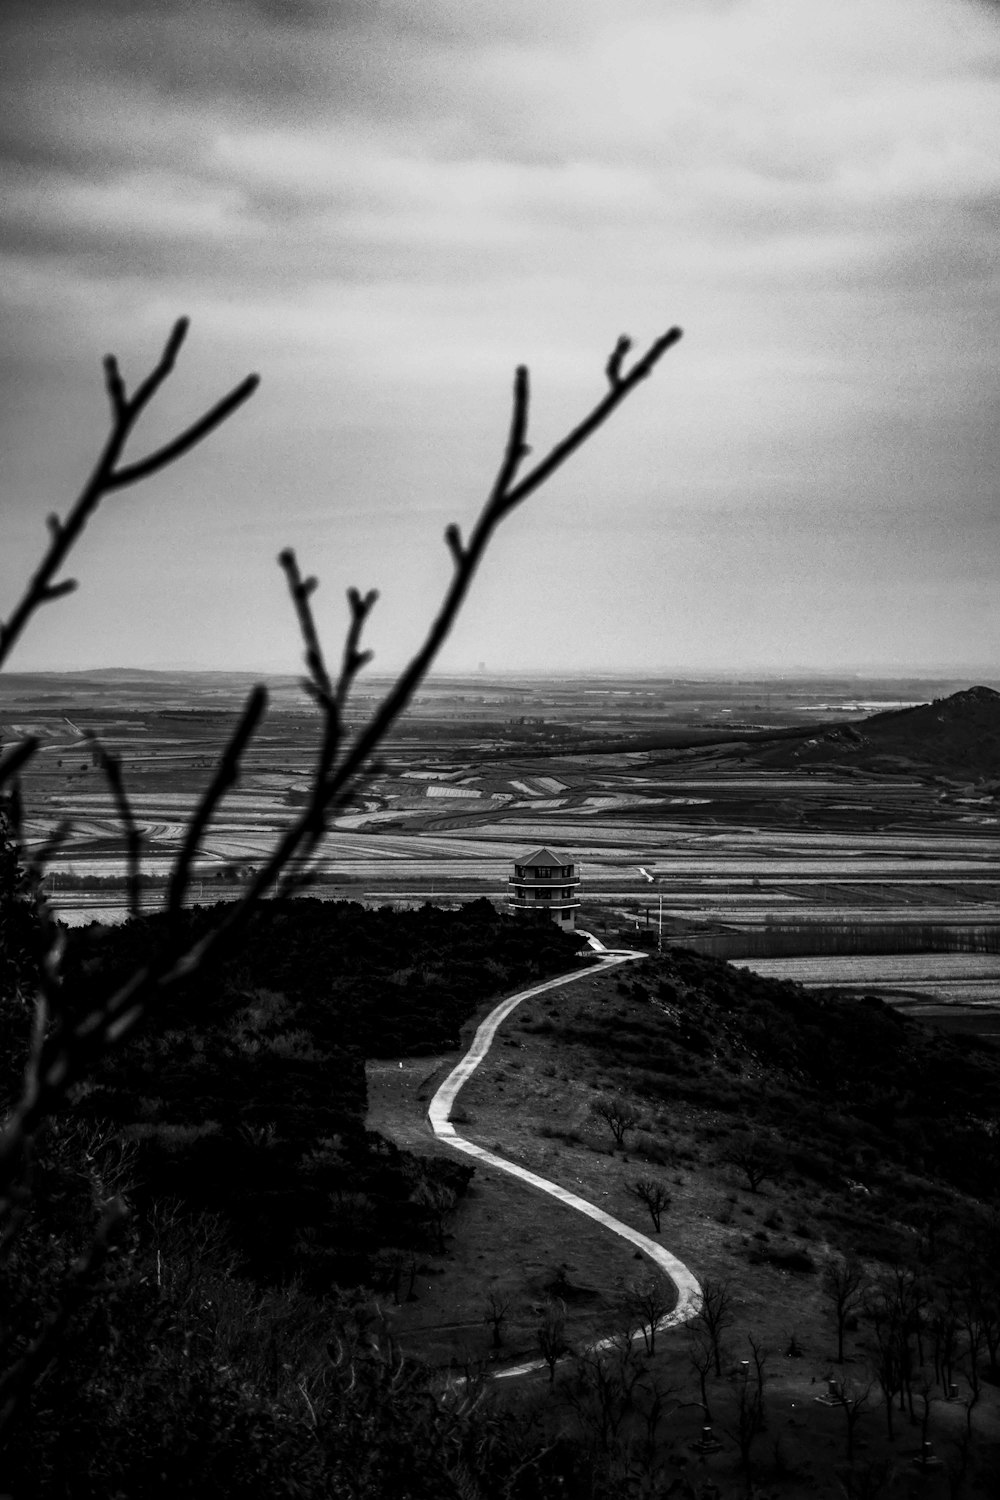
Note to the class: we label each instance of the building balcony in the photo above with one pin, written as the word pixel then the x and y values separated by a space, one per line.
pixel 542 904
pixel 550 882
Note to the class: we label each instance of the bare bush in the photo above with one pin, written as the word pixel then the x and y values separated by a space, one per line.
pixel 750 1415
pixel 715 1317
pixel 646 1302
pixel 754 1156
pixel 616 1116
pixel 551 1336
pixel 855 1400
pixel 495 1315
pixel 701 1353
pixel 654 1196
pixel 843 1282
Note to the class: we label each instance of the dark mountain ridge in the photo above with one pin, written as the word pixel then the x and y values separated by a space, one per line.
pixel 957 737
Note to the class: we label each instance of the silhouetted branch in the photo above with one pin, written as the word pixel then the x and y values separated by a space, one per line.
pixel 613 369
pixel 226 775
pixel 111 766
pixel 504 496
pixel 15 756
pixel 65 1044
pixel 318 682
pixel 335 778
pixel 187 439
pixel 107 476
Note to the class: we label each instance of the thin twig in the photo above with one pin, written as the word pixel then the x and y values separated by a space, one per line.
pixel 112 768
pixel 300 589
pixel 187 439
pixel 107 477
pixel 226 775
pixel 503 497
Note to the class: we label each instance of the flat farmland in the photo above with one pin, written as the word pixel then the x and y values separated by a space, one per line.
pixel 478 775
pixel 962 989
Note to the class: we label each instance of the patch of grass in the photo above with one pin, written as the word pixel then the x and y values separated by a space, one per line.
pixel 782 1257
pixel 568 1134
pixel 649 1148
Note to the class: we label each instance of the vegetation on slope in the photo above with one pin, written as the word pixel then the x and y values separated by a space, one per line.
pixel 839 1089
pixel 223 1342
pixel 234 1129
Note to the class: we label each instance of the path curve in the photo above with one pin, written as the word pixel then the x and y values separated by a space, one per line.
pixel 439 1113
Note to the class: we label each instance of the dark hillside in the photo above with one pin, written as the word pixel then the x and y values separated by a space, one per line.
pixel 840 1091
pixel 247 1096
pixel 957 737
pixel 234 1126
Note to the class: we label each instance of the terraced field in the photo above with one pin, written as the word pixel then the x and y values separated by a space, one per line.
pixel 738 848
pixel 961 989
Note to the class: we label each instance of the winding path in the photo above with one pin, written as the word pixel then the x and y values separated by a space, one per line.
pixel 439 1115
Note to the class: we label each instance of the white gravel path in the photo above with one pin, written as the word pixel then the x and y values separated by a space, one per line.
pixel 439 1112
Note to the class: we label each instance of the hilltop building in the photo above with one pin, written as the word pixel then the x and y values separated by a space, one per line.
pixel 545 883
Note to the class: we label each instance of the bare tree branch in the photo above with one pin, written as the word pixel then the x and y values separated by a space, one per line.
pixel 107 476
pixel 226 775
pixel 111 766
pixel 187 439
pixel 66 1044
pixel 15 756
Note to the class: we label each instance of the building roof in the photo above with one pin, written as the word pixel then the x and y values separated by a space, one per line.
pixel 544 856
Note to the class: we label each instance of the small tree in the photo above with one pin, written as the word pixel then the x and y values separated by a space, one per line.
pixel 926 1392
pixel 701 1353
pixel 654 1402
pixel 855 1401
pixel 750 1418
pixel 842 1282
pixel 884 1362
pixel 760 1355
pixel 495 1315
pixel 551 1336
pixel 654 1195
pixel 944 1331
pixel 602 1392
pixel 969 1370
pixel 957 1465
pixel 648 1301
pixel 439 1204
pixel 616 1116
pixel 755 1158
pixel 716 1316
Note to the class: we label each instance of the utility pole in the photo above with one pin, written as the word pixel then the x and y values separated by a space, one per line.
pixel 655 880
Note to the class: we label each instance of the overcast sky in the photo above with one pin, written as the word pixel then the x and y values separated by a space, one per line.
pixel 385 205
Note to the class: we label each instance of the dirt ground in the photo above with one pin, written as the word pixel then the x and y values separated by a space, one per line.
pixel 511 1239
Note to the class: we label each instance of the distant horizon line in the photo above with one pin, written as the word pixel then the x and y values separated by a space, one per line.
pixel 676 673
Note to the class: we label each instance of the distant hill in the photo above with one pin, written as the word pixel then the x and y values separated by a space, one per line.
pixel 957 737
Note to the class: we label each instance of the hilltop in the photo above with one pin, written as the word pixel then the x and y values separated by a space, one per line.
pixel 957 737
pixel 277 1237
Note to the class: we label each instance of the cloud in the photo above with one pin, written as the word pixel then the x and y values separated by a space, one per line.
pixel 388 205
